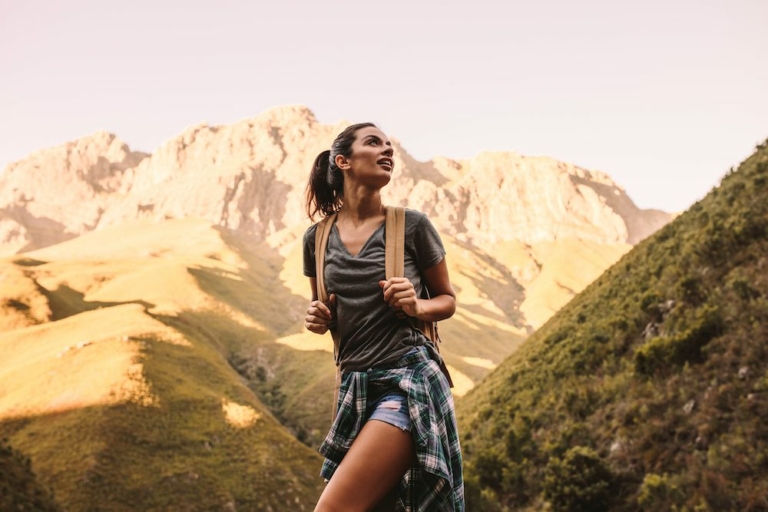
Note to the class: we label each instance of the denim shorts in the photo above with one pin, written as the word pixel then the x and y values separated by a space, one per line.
pixel 392 408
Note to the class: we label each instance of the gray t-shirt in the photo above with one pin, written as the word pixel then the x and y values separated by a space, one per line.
pixel 371 336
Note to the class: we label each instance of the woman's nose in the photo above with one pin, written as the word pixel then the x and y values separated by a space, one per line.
pixel 388 151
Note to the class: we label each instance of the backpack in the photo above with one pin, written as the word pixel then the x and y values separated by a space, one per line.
pixel 394 265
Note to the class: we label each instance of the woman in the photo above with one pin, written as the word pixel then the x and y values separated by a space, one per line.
pixel 393 443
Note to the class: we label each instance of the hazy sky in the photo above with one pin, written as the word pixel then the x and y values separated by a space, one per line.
pixel 664 96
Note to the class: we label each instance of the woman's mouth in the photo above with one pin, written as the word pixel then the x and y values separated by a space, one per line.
pixel 387 163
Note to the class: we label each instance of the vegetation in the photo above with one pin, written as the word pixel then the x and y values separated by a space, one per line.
pixel 579 481
pixel 19 488
pixel 117 381
pixel 649 390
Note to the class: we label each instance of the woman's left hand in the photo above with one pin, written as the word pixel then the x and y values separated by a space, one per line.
pixel 400 295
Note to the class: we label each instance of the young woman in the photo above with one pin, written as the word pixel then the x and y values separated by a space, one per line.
pixel 393 444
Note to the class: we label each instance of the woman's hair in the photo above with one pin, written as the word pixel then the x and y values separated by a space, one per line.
pixel 325 190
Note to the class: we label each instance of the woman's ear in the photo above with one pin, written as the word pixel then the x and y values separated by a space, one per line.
pixel 342 162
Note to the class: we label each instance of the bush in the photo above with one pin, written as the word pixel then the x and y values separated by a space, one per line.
pixel 658 492
pixel 580 481
pixel 684 347
pixel 489 467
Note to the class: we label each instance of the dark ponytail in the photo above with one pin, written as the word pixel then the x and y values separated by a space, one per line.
pixel 325 190
pixel 326 186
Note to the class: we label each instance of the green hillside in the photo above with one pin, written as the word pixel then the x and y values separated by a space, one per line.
pixel 649 390
pixel 116 376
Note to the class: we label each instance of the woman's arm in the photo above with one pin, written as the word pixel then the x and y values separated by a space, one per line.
pixel 313 286
pixel 319 316
pixel 400 294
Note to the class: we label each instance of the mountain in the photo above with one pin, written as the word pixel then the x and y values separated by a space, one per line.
pixel 152 305
pixel 35 213
pixel 648 390
pixel 249 177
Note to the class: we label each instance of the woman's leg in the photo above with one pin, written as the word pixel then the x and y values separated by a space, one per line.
pixel 378 458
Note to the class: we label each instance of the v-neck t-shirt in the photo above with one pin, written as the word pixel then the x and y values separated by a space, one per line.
pixel 370 334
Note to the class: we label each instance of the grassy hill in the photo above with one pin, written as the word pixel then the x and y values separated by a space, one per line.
pixel 649 390
pixel 116 380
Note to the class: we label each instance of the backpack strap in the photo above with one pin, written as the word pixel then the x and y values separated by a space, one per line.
pixel 322 234
pixel 321 244
pixel 394 261
pixel 394 251
pixel 394 264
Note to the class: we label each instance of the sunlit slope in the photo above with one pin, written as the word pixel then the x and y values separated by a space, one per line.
pixel 649 390
pixel 567 267
pixel 22 301
pixel 124 396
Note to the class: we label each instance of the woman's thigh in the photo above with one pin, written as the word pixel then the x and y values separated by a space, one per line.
pixel 378 458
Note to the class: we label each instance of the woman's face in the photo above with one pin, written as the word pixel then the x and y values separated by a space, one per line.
pixel 371 159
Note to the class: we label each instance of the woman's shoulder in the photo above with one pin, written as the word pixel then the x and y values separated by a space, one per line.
pixel 309 234
pixel 417 222
pixel 414 217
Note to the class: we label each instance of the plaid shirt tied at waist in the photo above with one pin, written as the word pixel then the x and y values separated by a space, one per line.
pixel 435 482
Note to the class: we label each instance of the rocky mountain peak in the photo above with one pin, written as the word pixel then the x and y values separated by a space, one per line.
pixel 250 177
pixel 60 192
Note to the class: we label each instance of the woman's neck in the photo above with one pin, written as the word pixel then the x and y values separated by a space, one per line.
pixel 358 208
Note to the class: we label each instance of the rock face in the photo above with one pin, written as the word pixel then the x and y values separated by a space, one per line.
pixel 250 177
pixel 506 196
pixel 61 192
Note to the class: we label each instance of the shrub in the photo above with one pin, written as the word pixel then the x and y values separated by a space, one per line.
pixel 684 347
pixel 658 492
pixel 744 290
pixel 489 467
pixel 690 289
pixel 580 481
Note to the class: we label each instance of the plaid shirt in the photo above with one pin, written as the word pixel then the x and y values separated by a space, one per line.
pixel 435 483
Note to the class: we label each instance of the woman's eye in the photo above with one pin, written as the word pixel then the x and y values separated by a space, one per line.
pixel 373 142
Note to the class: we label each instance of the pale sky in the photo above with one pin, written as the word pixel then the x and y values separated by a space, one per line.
pixel 664 96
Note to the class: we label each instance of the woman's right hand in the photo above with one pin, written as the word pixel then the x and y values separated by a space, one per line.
pixel 320 317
